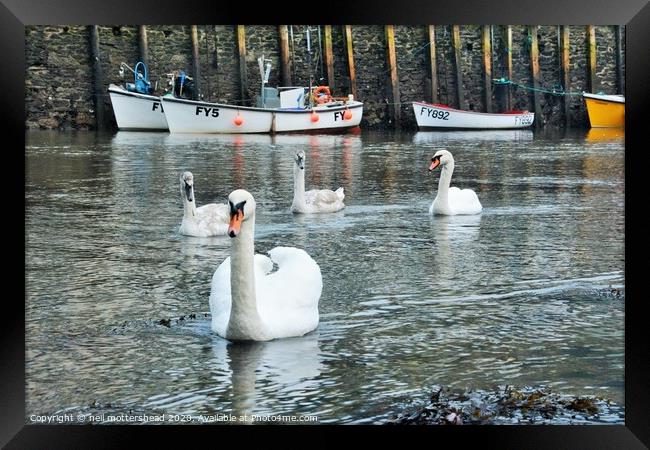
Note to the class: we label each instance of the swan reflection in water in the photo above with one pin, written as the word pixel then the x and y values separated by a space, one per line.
pixel 454 238
pixel 266 376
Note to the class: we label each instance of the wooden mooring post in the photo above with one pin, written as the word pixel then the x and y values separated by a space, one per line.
pixel 285 63
pixel 329 56
pixel 591 38
pixel 243 74
pixel 98 78
pixel 620 79
pixel 455 43
pixel 487 67
pixel 534 66
pixel 143 44
pixel 349 53
pixel 395 108
pixel 196 66
pixel 508 39
pixel 566 80
pixel 433 64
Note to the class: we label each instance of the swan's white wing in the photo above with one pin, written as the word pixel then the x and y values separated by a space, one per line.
pixel 464 201
pixel 220 299
pixel 213 219
pixel 220 294
pixel 288 298
pixel 324 200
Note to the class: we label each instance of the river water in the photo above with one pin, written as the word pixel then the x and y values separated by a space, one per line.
pixel 530 292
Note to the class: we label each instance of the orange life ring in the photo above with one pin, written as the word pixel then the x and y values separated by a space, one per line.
pixel 325 98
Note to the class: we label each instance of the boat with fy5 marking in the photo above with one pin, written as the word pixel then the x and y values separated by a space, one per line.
pixel 277 110
pixel 193 116
pixel 134 105
pixel 437 116
pixel 605 110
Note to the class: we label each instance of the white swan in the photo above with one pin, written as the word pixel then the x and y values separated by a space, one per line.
pixel 251 301
pixel 315 200
pixel 451 201
pixel 208 220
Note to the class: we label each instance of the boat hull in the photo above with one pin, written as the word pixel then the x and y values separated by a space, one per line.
pixel 135 111
pixel 605 111
pixel 190 116
pixel 430 116
pixel 329 119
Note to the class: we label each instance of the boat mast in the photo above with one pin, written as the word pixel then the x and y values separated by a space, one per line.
pixel 320 54
pixel 264 76
pixel 309 64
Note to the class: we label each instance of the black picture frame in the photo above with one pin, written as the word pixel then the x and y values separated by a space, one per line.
pixel 635 14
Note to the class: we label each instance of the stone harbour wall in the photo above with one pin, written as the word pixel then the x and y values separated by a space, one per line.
pixel 59 78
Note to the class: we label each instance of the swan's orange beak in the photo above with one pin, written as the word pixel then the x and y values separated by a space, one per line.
pixel 236 218
pixel 435 163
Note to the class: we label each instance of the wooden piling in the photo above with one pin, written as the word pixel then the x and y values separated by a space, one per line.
pixel 565 52
pixel 487 67
pixel 534 66
pixel 433 64
pixel 509 66
pixel 98 78
pixel 350 57
pixel 620 79
pixel 243 74
pixel 394 80
pixel 455 43
pixel 591 38
pixel 329 56
pixel 285 63
pixel 143 44
pixel 196 67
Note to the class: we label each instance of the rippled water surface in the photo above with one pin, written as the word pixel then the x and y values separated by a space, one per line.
pixel 519 295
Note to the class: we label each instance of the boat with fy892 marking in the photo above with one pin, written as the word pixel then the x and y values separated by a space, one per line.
pixel 437 116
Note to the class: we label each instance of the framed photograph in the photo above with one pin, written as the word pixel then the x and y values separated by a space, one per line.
pixel 413 220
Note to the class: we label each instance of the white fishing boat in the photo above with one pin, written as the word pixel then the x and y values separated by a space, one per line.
pixel 334 115
pixel 194 116
pixel 134 106
pixel 285 109
pixel 436 116
pixel 191 116
pixel 135 111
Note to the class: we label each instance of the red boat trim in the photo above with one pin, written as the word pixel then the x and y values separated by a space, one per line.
pixel 508 113
pixel 250 108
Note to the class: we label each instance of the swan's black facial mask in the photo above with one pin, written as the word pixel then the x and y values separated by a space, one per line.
pixel 435 162
pixel 300 161
pixel 236 218
pixel 188 192
pixel 238 207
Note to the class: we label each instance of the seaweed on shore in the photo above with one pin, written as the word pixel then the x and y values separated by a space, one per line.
pixel 509 405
